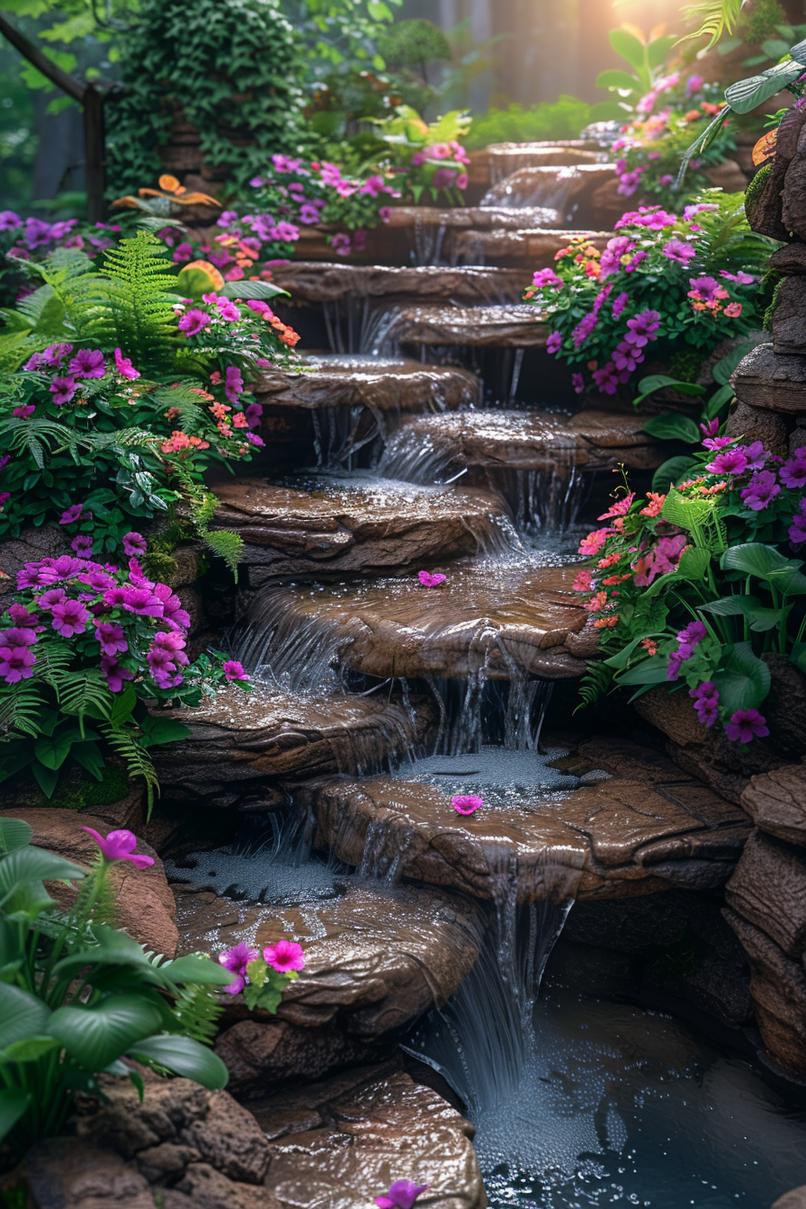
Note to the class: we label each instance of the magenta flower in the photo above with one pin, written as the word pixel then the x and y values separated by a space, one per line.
pixel 466 803
pixel 706 703
pixel 233 670
pixel 233 383
pixel 340 243
pixel 554 344
pixel 120 846
pixel 111 637
pixel 578 383
pixel 793 471
pixel 124 366
pixel 71 514
pixel 745 725
pixel 194 321
pixel 401 1195
pixel 82 545
pixel 284 956
pixel 679 251
pixel 594 541
pixel 88 363
pixel 16 663
pixel 546 277
pixel 761 491
pixel 619 305
pixel 642 328
pixel 63 390
pixel 237 959
pixel 134 544
pixel 732 461
pixel 797 530
pixel 70 617
pixel 431 579
pixel 24 411
pixel 17 636
pixel 690 638
pixel 116 674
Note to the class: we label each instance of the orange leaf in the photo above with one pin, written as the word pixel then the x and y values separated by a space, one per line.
pixel 170 184
pixel 129 201
pixel 197 199
pixel 765 147
pixel 210 269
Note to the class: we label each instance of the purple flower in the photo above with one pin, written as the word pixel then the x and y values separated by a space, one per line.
pixel 583 329
pixel 17 636
pixel 704 288
pixel 82 545
pixel 745 725
pixel 761 490
pixel 233 670
pixel 642 328
pixel 756 455
pixel 741 278
pixel 286 232
pixel 793 471
pixel 237 959
pixel 194 321
pixel 732 461
pixel 607 378
pixel 616 248
pixel 546 277
pixel 554 344
pixel 88 363
pixel 70 617
pixel 401 1195
pixel 124 366
pixel 679 251
pixel 134 544
pixel 111 638
pixel 706 702
pixel 16 663
pixel 71 514
pixel 233 383
pixel 116 674
pixel 9 221
pixel 690 638
pixel 797 530
pixel 120 846
pixel 619 305
pixel 340 243
pixel 63 389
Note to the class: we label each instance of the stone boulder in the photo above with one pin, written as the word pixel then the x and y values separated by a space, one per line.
pixel 772 380
pixel 506 326
pixel 776 801
pixel 145 904
pixel 796 1199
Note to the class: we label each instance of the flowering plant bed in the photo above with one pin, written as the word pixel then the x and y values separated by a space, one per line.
pixel 87 652
pixel 694 587
pixel 664 285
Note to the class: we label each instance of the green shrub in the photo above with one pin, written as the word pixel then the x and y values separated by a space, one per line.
pixel 564 118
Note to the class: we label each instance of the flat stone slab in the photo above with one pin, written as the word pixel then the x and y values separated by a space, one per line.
pixel 355 523
pixel 562 188
pixel 314 282
pixel 340 1143
pixel 645 827
pixel 505 618
pixel 375 383
pixel 768 379
pixel 524 440
pixel 518 326
pixel 240 744
pixel 466 218
pixel 776 801
pixel 377 958
pixel 529 249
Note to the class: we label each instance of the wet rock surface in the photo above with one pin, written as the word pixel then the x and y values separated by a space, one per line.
pixel 471 327
pixel 375 383
pixel 240 743
pixel 568 189
pixel 776 801
pixel 145 905
pixel 504 619
pixel 539 440
pixel 376 960
pixel 348 524
pixel 642 828
pixel 532 248
pixel 313 282
pixel 340 1143
pixel 769 379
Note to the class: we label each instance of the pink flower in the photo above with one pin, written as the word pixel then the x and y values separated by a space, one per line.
pixel 732 461
pixel 401 1195
pixel 111 636
pixel 431 579
pixel 620 508
pixel 16 663
pixel 466 803
pixel 594 541
pixel 546 277
pixel 745 725
pixel 340 243
pixel 583 582
pixel 193 322
pixel 661 559
pixel 233 670
pixel 733 310
pixel 134 544
pixel 63 390
pixel 88 363
pixel 284 956
pixel 70 617
pixel 237 959
pixel 120 846
pixel 124 366
pixel 679 251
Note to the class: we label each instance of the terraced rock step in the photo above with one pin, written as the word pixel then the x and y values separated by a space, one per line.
pixel 508 618
pixel 567 189
pixel 340 1143
pixel 643 828
pixel 315 282
pixel 375 383
pixel 470 327
pixel 528 249
pixel 240 745
pixel 375 962
pixel 520 440
pixel 499 160
pixel 353 524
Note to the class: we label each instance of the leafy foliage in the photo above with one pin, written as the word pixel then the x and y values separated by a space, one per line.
pixel 564 118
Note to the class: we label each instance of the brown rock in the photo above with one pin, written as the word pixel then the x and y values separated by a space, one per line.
pixel 239 743
pixel 145 905
pixel 375 962
pixel 758 424
pixel 790 259
pixel 765 205
pixel 768 890
pixel 793 209
pixel 470 327
pixel 640 830
pixel 776 801
pixel 529 249
pixel 202 1187
pixel 343 1142
pixel 63 1173
pixel 369 382
pixel 768 379
pixel 313 282
pixel 796 1199
pixel 354 524
pixel 789 317
pixel 480 618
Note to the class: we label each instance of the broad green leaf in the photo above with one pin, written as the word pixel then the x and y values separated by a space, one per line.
pixel 185 1057
pixel 746 95
pixel 649 671
pixel 29 1049
pixel 196 968
pixel 628 47
pixel 718 401
pixel 760 617
pixel 767 563
pixel 30 867
pixel 744 679
pixel 672 427
pixel 253 289
pixel 13 1106
pixel 157 729
pixel 22 1015
pixel 46 778
pixel 14 834
pixel 52 752
pixel 621 81
pixel 622 657
pixel 95 1036
pixel 671 471
pixel 684 512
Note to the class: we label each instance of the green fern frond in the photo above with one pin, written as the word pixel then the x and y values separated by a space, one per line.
pixel 79 693
pixel 135 304
pixel 135 757
pixel 20 707
pixel 715 18
pixel 196 1011
pixel 226 544
pixel 596 681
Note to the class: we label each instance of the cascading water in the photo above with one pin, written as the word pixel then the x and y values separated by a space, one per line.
pixel 548 188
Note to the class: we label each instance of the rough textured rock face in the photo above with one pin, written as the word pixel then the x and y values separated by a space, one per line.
pixel 773 380
pixel 529 249
pixel 776 801
pixel 758 424
pixel 789 317
pixel 31 545
pixel 145 905
pixel 567 189
pixel 241 743
pixel 521 440
pixel 395 627
pixel 471 327
pixel 768 209
pixel 375 963
pixel 796 1199
pixel 369 382
pixel 352 525
pixel 312 282
pixel 640 830
pixel 339 1144
pixel 766 907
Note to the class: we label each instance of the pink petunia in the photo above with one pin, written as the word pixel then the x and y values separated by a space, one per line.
pixel 120 846
pixel 285 956
pixel 124 366
pixel 431 579
pixel 466 803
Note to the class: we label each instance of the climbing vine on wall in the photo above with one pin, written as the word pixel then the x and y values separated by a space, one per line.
pixel 232 71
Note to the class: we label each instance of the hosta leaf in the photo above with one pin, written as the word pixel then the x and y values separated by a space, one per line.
pixel 95 1036
pixel 183 1056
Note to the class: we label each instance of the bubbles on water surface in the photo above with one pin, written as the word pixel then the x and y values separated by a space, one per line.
pixel 503 778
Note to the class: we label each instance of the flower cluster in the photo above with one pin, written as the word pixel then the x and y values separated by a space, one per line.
pixel 653 289
pixel 667 120
pixel 691 588
pixel 262 975
pixel 31 238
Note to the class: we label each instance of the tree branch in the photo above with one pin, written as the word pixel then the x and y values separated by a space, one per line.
pixel 73 87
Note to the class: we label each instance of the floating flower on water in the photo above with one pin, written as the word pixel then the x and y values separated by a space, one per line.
pixel 120 846
pixel 401 1195
pixel 745 725
pixel 466 803
pixel 431 579
pixel 284 956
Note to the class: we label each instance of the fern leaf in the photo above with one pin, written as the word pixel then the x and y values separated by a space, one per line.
pixel 135 757
pixel 594 684
pixel 196 1012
